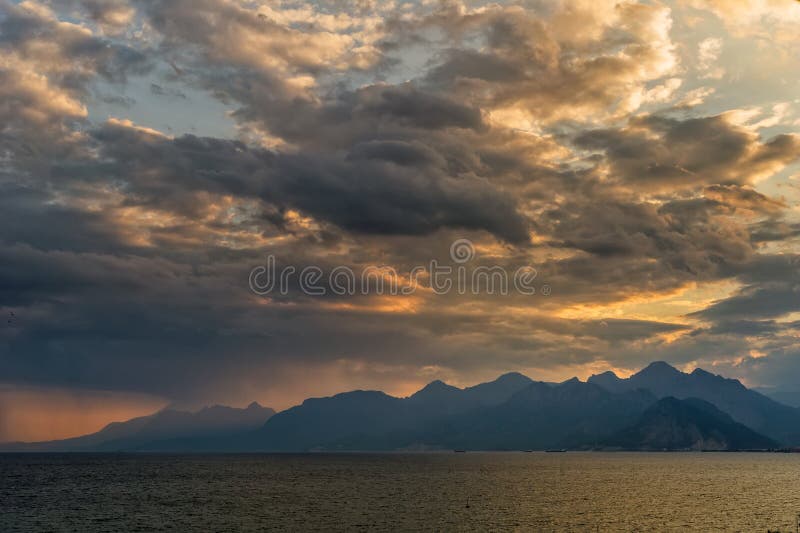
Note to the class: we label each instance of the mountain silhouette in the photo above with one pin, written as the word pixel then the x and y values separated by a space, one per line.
pixel 509 413
pixel 443 398
pixel 690 424
pixel 375 420
pixel 540 416
pixel 748 407
pixel 659 407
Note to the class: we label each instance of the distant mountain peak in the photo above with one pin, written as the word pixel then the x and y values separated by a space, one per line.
pixel 606 374
pixel 659 369
pixel 608 380
pixel 513 377
pixel 437 385
pixel 435 388
pixel 708 377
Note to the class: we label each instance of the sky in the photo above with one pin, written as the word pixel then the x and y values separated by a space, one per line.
pixel 640 157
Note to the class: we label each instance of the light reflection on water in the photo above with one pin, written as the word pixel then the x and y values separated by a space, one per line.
pixel 472 491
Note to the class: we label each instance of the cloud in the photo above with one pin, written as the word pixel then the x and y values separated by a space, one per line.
pixel 765 300
pixel 47 67
pixel 659 153
pixel 574 137
pixel 708 52
pixel 232 34
pixel 544 69
pixel 384 197
pixel 747 17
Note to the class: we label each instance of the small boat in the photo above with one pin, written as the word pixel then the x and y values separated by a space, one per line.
pixel 560 450
pixel 459 451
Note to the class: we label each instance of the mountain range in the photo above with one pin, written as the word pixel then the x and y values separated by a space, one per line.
pixel 658 408
pixel 746 406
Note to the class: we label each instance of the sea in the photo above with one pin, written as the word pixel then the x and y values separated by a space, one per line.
pixel 591 491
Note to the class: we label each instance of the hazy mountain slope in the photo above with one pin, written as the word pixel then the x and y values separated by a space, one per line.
pixel 786 397
pixel 133 434
pixel 672 424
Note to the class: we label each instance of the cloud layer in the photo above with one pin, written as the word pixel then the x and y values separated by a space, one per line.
pixel 616 146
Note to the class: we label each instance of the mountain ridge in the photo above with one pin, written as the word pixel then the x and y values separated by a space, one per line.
pixel 510 412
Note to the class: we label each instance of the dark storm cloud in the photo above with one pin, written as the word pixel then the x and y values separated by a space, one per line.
pixel 766 268
pixel 30 216
pixel 615 330
pixel 686 238
pixel 655 153
pixel 774 231
pixel 768 300
pixel 408 106
pixel 382 195
pixel 770 289
pixel 749 328
pixel 126 317
pixel 401 112
pixel 393 199
pixel 413 154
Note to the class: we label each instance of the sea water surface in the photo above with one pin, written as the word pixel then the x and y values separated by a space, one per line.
pixel 419 492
